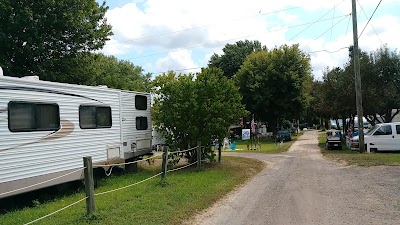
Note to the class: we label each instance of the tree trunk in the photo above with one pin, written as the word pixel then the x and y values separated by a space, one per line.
pixel 344 124
pixel 371 121
pixel 388 116
pixel 395 114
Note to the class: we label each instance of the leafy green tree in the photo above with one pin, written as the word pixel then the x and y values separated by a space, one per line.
pixel 234 55
pixel 318 111
pixel 98 69
pixel 380 87
pixel 383 84
pixel 191 108
pixel 337 95
pixel 276 84
pixel 37 34
pixel 379 80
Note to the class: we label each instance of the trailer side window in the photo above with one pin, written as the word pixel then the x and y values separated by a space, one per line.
pixel 141 123
pixel 140 102
pixel 28 116
pixel 94 117
pixel 398 129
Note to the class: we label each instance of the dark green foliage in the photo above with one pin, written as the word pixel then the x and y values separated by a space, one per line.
pixel 276 84
pixel 35 35
pixel 191 108
pixel 98 69
pixel 234 55
pixel 380 77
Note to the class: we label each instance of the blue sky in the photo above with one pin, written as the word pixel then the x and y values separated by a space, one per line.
pixel 180 35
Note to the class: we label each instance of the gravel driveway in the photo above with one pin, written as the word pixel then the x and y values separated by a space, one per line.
pixel 300 187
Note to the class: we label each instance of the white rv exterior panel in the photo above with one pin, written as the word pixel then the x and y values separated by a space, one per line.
pixel 30 154
pixel 141 138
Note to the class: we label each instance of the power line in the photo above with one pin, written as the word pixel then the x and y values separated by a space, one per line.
pixel 368 21
pixel 330 39
pixel 347 30
pixel 179 70
pixel 327 30
pixel 316 21
pixel 224 41
pixel 348 23
pixel 369 18
pixel 324 50
pixel 201 27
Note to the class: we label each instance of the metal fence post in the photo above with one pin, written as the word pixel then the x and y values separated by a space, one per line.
pixel 164 163
pixel 198 154
pixel 89 184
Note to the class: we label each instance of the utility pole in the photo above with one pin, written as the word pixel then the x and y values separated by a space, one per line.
pixel 358 79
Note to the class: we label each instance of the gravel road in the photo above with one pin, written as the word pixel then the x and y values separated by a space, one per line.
pixel 300 187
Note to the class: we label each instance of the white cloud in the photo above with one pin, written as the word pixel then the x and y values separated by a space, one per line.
pixel 220 21
pixel 207 25
pixel 369 41
pixel 386 28
pixel 177 60
pixel 287 18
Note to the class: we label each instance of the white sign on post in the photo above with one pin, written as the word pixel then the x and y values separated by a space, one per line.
pixel 245 134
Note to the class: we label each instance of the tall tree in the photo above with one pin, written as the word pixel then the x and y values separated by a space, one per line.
pixel 98 69
pixel 386 81
pixel 234 55
pixel 190 108
pixel 35 33
pixel 380 88
pixel 276 84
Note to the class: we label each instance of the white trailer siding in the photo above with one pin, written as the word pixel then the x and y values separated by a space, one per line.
pixel 142 138
pixel 31 154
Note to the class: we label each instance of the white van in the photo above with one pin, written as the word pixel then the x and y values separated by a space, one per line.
pixel 382 137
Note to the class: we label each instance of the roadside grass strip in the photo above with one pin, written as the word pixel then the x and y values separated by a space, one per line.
pixel 267 146
pixel 350 157
pixel 186 193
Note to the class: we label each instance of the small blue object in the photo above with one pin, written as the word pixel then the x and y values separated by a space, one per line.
pixel 233 146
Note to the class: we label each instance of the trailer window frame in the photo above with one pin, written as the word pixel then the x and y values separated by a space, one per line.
pixel 35 116
pixel 141 102
pixel 142 125
pixel 99 122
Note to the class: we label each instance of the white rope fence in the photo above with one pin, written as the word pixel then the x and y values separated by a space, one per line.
pixel 72 204
pixel 182 167
pixel 106 192
pixel 88 167
pixel 190 149
pixel 43 182
pixel 121 164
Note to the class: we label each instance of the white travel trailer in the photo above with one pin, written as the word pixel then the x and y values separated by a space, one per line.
pixel 46 128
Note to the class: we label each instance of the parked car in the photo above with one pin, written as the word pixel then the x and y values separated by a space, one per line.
pixel 333 139
pixel 285 134
pixel 381 137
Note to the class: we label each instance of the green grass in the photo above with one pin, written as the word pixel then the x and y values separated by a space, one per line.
pixel 350 157
pixel 267 146
pixel 187 192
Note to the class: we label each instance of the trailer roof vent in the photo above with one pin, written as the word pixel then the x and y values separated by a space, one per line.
pixel 1 71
